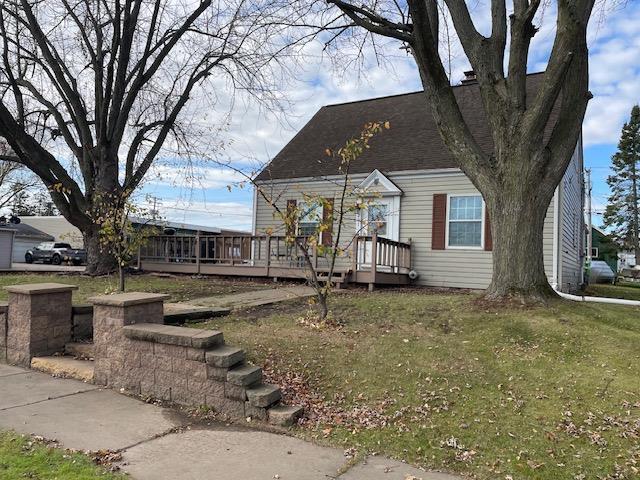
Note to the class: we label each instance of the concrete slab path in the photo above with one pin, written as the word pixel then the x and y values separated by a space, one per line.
pixel 157 443
pixel 255 298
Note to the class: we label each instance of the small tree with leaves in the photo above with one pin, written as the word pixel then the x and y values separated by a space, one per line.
pixel 346 202
pixel 118 235
pixel 622 215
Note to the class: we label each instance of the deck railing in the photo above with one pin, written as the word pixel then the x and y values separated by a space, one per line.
pixel 369 253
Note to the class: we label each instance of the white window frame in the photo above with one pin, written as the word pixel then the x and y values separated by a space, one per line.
pixel 320 218
pixel 482 223
pixel 393 217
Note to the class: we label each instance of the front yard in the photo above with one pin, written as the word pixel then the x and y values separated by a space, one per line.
pixel 179 287
pixel 438 381
pixel 435 379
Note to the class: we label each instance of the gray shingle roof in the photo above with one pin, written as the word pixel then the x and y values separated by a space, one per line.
pixel 412 143
pixel 27 231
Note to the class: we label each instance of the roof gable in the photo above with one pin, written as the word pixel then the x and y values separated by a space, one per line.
pixel 377 183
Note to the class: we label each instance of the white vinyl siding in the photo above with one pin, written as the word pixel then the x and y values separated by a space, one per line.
pixel 458 268
pixel 571 231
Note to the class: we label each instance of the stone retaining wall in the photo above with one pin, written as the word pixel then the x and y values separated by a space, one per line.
pixel 38 321
pixel 135 352
pixel 3 331
pixel 82 322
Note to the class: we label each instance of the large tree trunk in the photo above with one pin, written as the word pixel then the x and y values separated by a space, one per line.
pixel 517 221
pixel 99 262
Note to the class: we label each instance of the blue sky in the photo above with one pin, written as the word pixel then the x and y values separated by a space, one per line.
pixel 255 135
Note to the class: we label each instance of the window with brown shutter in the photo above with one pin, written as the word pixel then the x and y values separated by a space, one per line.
pixel 291 219
pixel 438 221
pixel 327 219
pixel 488 241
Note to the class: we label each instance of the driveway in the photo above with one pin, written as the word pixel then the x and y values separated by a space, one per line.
pixel 45 267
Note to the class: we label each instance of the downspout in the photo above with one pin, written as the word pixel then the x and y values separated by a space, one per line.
pixel 583 298
pixel 555 281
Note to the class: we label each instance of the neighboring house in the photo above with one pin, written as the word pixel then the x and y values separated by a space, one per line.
pixel 26 237
pixel 62 231
pixel 6 247
pixel 57 227
pixel 418 195
pixel 604 248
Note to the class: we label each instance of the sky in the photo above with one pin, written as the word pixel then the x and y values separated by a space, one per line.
pixel 254 135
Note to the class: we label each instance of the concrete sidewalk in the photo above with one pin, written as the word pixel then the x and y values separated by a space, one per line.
pixel 255 298
pixel 157 443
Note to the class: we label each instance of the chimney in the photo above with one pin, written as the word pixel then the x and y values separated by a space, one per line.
pixel 469 77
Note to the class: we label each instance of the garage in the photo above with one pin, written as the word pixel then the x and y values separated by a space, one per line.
pixel 6 247
pixel 25 238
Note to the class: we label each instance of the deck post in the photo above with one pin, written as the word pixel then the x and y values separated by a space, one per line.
pixel 408 258
pixel 315 255
pixel 198 252
pixel 354 259
pixel 268 253
pixel 374 260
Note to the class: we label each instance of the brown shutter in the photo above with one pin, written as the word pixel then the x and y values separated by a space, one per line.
pixel 327 219
pixel 438 221
pixel 488 241
pixel 290 220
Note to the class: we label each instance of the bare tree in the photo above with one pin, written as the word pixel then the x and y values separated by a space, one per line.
pixel 15 180
pixel 95 91
pixel 531 153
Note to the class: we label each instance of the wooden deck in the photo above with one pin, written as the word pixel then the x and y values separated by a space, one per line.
pixel 370 259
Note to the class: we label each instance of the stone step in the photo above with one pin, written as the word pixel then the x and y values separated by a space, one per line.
pixel 263 395
pixel 224 356
pixel 79 349
pixel 172 335
pixel 244 375
pixel 284 415
pixel 65 367
pixel 180 313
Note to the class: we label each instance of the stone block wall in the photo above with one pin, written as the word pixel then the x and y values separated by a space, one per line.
pixel 193 367
pixel 135 352
pixel 110 314
pixel 38 321
pixel 3 332
pixel 82 322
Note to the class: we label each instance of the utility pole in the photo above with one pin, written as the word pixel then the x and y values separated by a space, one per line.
pixel 587 174
pixel 154 211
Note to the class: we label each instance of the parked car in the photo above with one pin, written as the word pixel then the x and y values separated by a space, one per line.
pixel 56 253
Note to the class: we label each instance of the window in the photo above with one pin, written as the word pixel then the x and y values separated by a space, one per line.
pixel 465 221
pixel 377 219
pixel 310 219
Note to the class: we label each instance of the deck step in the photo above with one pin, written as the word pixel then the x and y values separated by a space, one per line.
pixel 64 367
pixel 224 356
pixel 244 375
pixel 263 395
pixel 83 350
pixel 284 415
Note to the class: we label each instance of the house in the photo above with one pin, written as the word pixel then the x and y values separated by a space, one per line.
pixel 60 230
pixel 604 248
pixel 26 237
pixel 420 200
pixel 6 248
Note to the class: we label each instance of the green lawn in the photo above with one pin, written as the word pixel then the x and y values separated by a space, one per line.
pixel 180 287
pixel 625 290
pixel 22 457
pixel 540 393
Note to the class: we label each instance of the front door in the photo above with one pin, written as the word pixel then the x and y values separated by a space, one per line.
pixel 375 219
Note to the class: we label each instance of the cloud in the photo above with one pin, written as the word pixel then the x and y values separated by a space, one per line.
pixel 231 215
